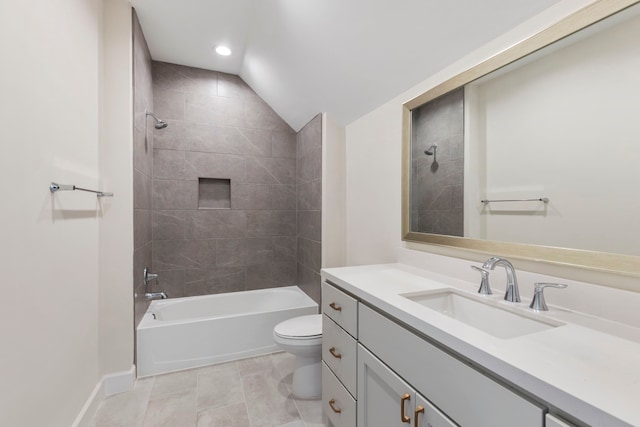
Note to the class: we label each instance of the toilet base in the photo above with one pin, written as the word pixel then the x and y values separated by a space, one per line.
pixel 307 377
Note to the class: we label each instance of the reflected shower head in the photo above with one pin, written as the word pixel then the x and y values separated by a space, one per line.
pixel 431 150
pixel 160 124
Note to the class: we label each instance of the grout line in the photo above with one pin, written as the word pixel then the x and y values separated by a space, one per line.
pixel 244 395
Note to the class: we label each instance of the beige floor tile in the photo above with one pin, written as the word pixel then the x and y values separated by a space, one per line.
pixel 255 365
pixel 215 395
pixel 172 410
pixel 297 423
pixel 125 409
pixel 285 363
pixel 219 386
pixel 269 402
pixel 228 416
pixel 310 410
pixel 217 367
pixel 171 383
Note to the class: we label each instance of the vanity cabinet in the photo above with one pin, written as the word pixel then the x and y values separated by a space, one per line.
pixel 341 308
pixel 464 394
pixel 552 421
pixel 386 400
pixel 337 404
pixel 339 356
pixel 402 378
pixel 339 352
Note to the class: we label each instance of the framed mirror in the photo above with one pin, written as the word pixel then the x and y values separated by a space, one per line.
pixel 535 152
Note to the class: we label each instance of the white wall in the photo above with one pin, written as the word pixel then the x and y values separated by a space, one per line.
pixel 373 185
pixel 374 168
pixel 564 127
pixel 116 174
pixel 49 252
pixel 333 194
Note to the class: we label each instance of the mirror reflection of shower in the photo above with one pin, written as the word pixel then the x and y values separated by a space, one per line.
pixel 159 124
pixel 431 151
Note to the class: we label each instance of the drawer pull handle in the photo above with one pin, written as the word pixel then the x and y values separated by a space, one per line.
pixel 335 306
pixel 336 410
pixel 332 350
pixel 403 417
pixel 419 410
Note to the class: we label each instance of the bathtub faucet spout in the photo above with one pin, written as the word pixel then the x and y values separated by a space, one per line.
pixel 156 295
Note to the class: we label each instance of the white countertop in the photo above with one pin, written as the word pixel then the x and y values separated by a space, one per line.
pixel 589 367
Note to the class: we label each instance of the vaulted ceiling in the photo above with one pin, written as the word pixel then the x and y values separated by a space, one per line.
pixel 345 57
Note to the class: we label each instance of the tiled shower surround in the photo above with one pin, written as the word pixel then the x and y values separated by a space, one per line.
pixel 437 198
pixel 142 163
pixel 309 206
pixel 223 187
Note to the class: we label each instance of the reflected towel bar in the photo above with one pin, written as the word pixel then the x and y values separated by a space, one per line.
pixel 61 187
pixel 541 199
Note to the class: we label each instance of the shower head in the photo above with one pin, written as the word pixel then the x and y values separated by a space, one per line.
pixel 431 150
pixel 160 124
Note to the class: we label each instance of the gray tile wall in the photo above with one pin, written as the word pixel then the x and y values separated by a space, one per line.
pixel 219 128
pixel 437 182
pixel 142 163
pixel 309 206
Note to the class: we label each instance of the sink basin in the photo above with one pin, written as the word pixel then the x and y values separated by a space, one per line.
pixel 481 313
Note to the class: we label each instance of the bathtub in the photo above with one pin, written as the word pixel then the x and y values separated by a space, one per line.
pixel 183 333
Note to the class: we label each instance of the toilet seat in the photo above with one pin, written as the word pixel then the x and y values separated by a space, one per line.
pixel 300 328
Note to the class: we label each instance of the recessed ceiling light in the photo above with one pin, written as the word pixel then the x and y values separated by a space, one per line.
pixel 223 50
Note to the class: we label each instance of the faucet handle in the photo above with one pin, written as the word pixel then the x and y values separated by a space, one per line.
pixel 485 289
pixel 538 303
pixel 148 276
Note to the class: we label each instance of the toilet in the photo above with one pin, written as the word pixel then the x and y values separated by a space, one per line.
pixel 302 336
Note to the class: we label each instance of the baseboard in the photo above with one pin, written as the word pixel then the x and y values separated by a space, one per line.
pixel 119 382
pixel 109 384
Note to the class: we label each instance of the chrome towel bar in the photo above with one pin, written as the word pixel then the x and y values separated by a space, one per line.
pixel 541 199
pixel 61 187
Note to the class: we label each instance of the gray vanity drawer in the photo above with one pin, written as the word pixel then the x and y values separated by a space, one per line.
pixel 553 421
pixel 463 393
pixel 339 351
pixel 341 308
pixel 337 403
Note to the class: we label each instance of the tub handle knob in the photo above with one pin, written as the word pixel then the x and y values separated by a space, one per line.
pixel 333 408
pixel 332 350
pixel 335 306
pixel 148 276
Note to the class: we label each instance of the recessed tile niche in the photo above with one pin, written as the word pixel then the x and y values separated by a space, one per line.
pixel 214 193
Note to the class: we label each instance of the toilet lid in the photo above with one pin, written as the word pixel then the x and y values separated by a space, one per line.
pixel 303 327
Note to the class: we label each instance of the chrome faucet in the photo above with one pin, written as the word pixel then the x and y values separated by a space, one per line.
pixel 485 288
pixel 538 303
pixel 156 295
pixel 512 293
pixel 149 276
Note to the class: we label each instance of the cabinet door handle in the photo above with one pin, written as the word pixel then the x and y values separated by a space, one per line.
pixel 403 417
pixel 335 306
pixel 419 410
pixel 332 350
pixel 336 410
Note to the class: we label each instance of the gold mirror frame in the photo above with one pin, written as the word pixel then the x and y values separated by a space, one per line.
pixel 601 261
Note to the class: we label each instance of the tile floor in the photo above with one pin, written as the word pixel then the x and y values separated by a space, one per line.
pixel 247 393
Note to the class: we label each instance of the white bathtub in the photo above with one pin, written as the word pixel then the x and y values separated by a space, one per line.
pixel 183 333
